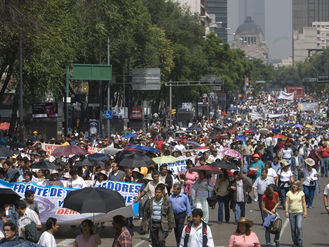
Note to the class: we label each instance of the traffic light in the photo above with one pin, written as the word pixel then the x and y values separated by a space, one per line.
pixel 173 111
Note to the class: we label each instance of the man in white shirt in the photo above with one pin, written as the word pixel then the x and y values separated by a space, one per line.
pixel 47 238
pixel 26 217
pixel 76 181
pixel 197 233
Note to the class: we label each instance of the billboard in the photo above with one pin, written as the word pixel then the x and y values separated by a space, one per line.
pixel 146 79
pixel 45 110
pixel 136 113
pixel 299 91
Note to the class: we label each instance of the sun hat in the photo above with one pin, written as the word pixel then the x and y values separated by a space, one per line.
pixel 246 221
pixel 149 177
pixel 284 163
pixel 136 170
pixel 309 162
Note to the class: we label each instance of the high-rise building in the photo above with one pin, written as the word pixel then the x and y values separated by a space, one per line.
pixel 307 11
pixel 219 9
pixel 255 9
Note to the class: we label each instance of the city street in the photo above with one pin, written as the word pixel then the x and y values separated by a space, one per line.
pixel 315 228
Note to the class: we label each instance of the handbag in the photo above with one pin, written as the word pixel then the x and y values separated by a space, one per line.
pixel 249 200
pixel 212 200
pixel 275 226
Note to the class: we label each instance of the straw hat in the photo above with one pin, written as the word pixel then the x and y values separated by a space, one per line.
pixel 245 220
pixel 309 162
pixel 148 177
pixel 284 163
pixel 136 170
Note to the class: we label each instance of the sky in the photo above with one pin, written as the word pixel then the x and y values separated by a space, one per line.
pixel 278 25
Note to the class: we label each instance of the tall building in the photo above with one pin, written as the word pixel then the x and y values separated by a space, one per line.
pixel 219 9
pixel 307 11
pixel 255 9
pixel 322 34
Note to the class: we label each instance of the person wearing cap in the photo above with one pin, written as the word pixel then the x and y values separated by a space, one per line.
pixel 256 164
pixel 310 181
pixel 295 209
pixel 285 179
pixel 100 178
pixel 244 236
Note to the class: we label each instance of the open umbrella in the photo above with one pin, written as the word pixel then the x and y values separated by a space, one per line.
pixel 136 160
pixel 5 152
pixel 93 200
pixel 264 131
pixel 129 135
pixel 68 150
pixel 206 168
pixel 85 162
pixel 8 196
pixel 222 164
pixel 44 165
pixel 279 136
pixel 110 150
pixel 99 157
pixel 232 153
pixel 141 148
pixel 166 159
pixel 20 243
pixel 194 128
pixel 193 143
pixel 298 126
pixel 4 126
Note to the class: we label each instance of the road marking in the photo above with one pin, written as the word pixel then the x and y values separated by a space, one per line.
pixel 66 242
pixel 285 224
pixel 140 243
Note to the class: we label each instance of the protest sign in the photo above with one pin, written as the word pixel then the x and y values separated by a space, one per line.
pixel 49 148
pixel 286 96
pixel 178 166
pixel 308 107
pixel 50 198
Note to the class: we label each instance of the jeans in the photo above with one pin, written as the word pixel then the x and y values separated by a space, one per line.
pixel 262 213
pixel 296 221
pixel 223 201
pixel 268 237
pixel 239 210
pixel 158 236
pixel 283 192
pixel 246 161
pixel 309 195
pixel 324 165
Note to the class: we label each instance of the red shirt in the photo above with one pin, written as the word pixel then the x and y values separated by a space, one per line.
pixel 270 203
pixel 324 152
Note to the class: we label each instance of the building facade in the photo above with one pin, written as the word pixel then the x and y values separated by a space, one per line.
pixel 250 38
pixel 219 9
pixel 322 34
pixel 304 43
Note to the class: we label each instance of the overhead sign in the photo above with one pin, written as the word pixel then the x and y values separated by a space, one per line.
pixel 146 79
pixel 91 72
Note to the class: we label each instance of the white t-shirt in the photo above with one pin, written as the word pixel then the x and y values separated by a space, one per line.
pixel 239 190
pixel 271 173
pixel 326 190
pixel 28 217
pixel 78 183
pixel 47 240
pixel 309 176
pixel 285 176
pixel 1 235
pixel 286 154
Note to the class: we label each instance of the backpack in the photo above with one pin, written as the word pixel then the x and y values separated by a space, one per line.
pixel 275 226
pixel 204 234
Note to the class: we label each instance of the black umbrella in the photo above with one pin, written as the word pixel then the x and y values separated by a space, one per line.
pixel 5 152
pixel 131 154
pixel 44 165
pixel 8 196
pixel 135 160
pixel 85 162
pixel 94 200
pixel 20 243
pixel 222 164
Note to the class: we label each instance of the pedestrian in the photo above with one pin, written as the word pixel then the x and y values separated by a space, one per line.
pixel 240 188
pixel 310 181
pixel 295 209
pixel 116 174
pixel 223 194
pixel 270 202
pixel 159 215
pixel 76 181
pixel 244 236
pixel 89 236
pixel 166 178
pixel 259 188
pixel 30 202
pixel 285 179
pixel 296 162
pixel 189 180
pixel 122 236
pixel 181 208
pixel 256 164
pixel 201 190
pixel 47 238
pixel 10 232
pixel 28 219
pixel 326 197
pixel 197 233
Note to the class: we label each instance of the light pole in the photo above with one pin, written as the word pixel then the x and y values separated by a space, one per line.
pixel 108 90
pixel 21 120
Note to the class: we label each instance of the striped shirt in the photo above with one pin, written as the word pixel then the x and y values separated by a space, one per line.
pixel 156 216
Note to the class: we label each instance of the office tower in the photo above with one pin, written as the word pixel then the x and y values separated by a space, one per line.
pixel 219 9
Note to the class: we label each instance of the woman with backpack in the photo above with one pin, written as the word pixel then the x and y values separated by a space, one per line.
pixel 270 202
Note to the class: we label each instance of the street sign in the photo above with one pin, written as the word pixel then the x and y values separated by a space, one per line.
pixel 107 114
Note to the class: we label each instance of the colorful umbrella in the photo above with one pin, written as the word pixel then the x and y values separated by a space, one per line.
pixel 68 150
pixel 232 153
pixel 4 126
pixel 141 148
pixel 166 159
pixel 99 157
pixel 206 168
pixel 279 136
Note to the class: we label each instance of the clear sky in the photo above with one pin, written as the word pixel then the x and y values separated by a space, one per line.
pixel 278 25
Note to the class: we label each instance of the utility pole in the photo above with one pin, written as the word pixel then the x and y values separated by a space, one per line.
pixel 21 120
pixel 108 90
pixel 170 103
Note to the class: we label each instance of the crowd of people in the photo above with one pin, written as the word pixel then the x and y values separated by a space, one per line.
pixel 278 158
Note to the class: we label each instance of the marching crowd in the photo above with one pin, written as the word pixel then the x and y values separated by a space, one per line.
pixel 231 160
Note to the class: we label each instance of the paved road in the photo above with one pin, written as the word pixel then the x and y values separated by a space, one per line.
pixel 315 228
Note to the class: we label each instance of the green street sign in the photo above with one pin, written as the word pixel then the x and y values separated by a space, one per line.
pixel 91 72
